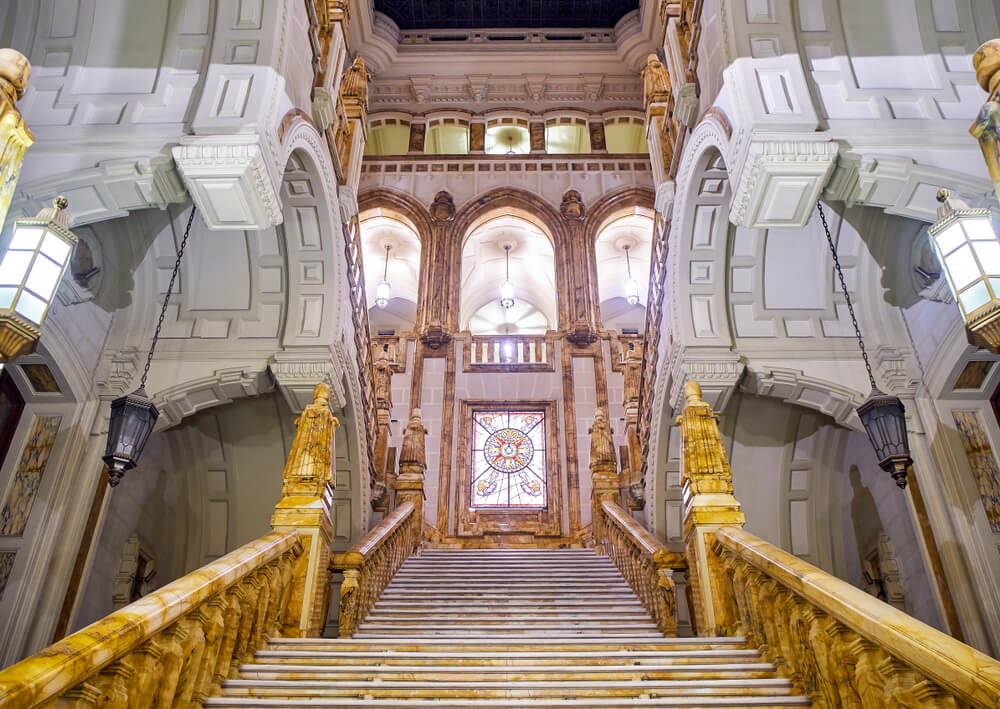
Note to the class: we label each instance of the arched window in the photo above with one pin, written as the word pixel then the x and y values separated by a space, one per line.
pixel 507 136
pixel 567 135
pixel 447 136
pixel 388 136
pixel 625 135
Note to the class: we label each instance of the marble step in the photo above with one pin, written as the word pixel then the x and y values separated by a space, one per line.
pixel 600 703
pixel 496 673
pixel 537 605
pixel 512 596
pixel 303 688
pixel 530 657
pixel 487 617
pixel 508 612
pixel 514 575
pixel 491 645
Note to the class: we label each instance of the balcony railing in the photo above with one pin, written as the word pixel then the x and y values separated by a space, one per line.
pixel 508 353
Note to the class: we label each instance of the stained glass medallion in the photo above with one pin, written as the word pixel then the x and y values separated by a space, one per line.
pixel 508 459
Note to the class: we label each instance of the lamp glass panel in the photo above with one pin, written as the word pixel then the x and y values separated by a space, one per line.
pixel 30 306
pixel 7 296
pixel 55 248
pixel 44 277
pixel 988 253
pixel 962 267
pixel 507 290
pixel 995 285
pixel 974 297
pixel 950 238
pixel 26 237
pixel 979 229
pixel 632 290
pixel 14 266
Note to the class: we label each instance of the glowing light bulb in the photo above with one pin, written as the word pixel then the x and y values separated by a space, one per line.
pixel 632 291
pixel 383 291
pixel 507 294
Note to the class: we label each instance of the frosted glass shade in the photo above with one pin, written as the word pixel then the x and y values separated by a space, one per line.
pixel 33 266
pixel 383 291
pixel 507 294
pixel 969 251
pixel 632 291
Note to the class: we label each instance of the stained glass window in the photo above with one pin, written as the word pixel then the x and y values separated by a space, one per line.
pixel 508 459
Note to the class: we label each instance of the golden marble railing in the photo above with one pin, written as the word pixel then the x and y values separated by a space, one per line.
pixel 645 562
pixel 839 645
pixel 172 648
pixel 370 564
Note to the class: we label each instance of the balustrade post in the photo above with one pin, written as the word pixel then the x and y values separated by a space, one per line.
pixel 306 506
pixel 412 464
pixel 709 504
pixel 630 401
pixel 604 473
pixel 383 414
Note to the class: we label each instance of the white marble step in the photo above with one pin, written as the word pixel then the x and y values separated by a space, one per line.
pixel 631 656
pixel 659 644
pixel 599 703
pixel 493 672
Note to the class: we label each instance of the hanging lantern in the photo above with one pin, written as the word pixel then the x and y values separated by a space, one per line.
pixel 30 272
pixel 969 250
pixel 133 415
pixel 884 419
pixel 631 285
pixel 383 291
pixel 132 420
pixel 507 288
pixel 882 415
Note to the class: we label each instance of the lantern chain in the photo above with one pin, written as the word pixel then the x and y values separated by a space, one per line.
pixel 847 295
pixel 166 298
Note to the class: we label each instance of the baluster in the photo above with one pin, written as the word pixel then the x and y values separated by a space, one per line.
pixel 82 696
pixel 191 658
pixel 868 681
pixel 349 592
pixel 214 628
pixel 146 661
pixel 113 684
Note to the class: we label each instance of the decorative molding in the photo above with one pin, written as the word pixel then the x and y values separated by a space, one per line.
pixel 225 385
pixel 111 189
pixel 718 373
pixel 898 185
pixel 297 374
pixel 116 372
pixel 232 180
pixel 794 387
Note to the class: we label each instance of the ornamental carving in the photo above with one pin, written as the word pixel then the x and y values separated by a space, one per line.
pixel 443 207
pixel 355 83
pixel 572 205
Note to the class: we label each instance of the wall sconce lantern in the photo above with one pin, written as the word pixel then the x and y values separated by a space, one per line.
pixel 134 415
pixel 969 250
pixel 383 291
pixel 882 415
pixel 507 288
pixel 30 272
pixel 631 285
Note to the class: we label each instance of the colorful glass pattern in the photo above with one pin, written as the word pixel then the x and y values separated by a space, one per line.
pixel 508 459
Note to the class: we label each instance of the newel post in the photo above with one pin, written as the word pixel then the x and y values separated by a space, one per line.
pixel 709 504
pixel 306 506
pixel 412 464
pixel 604 473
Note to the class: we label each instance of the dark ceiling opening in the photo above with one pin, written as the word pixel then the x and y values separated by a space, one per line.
pixel 519 14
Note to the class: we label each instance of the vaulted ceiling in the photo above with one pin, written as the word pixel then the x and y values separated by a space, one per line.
pixel 501 14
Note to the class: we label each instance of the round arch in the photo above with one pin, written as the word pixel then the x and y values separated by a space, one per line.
pixel 514 202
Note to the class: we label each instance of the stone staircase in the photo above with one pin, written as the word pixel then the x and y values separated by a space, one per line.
pixel 508 628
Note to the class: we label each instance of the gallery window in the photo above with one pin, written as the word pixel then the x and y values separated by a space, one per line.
pixel 508 459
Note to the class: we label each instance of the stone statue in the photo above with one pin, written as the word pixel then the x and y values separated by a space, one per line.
pixel 383 380
pixel 655 82
pixel 413 454
pixel 602 445
pixel 355 82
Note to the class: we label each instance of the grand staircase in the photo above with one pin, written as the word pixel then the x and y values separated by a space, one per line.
pixel 507 628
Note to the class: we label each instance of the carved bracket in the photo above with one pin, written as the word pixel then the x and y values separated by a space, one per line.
pixel 232 179
pixel 298 373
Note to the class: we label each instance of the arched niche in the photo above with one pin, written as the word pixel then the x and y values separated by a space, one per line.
pixel 623 248
pixel 391 253
pixel 531 270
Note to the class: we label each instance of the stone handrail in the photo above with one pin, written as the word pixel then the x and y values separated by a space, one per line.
pixel 369 565
pixel 645 562
pixel 839 645
pixel 173 647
